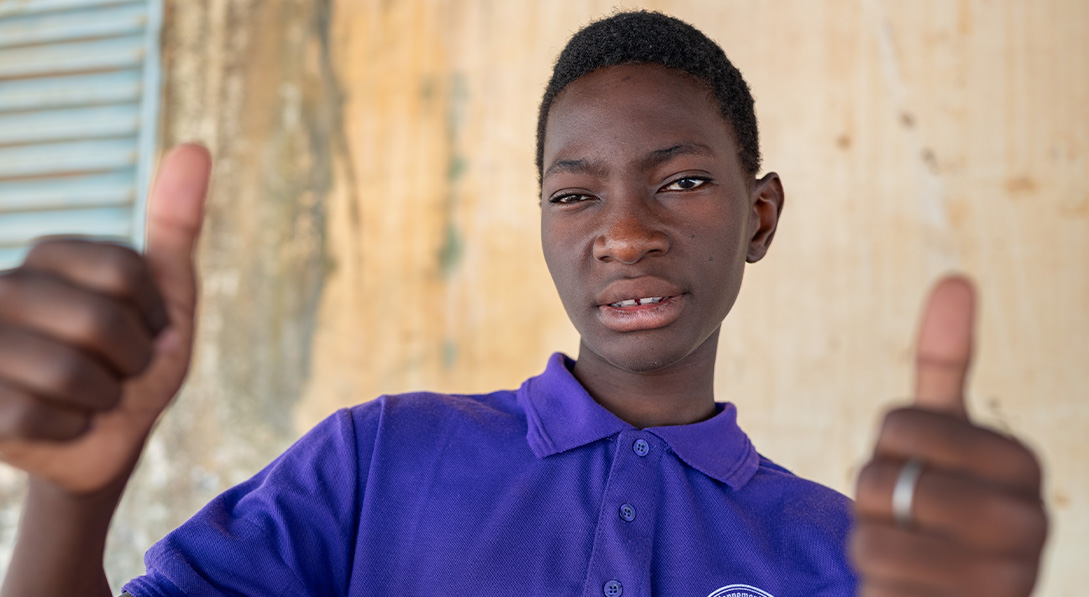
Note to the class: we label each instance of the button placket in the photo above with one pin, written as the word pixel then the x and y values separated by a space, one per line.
pixel 623 543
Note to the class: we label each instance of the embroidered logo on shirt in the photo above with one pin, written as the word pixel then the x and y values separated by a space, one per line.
pixel 739 591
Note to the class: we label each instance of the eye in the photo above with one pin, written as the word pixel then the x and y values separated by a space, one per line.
pixel 687 183
pixel 569 198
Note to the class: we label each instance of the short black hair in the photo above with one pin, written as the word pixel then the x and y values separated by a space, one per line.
pixel 647 37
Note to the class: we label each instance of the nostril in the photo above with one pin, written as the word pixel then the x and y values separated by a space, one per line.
pixel 630 248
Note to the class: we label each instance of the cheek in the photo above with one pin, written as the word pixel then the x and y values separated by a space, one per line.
pixel 549 242
pixel 721 257
pixel 559 259
pixel 725 240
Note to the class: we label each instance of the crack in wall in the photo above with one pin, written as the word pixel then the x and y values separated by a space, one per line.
pixel 931 194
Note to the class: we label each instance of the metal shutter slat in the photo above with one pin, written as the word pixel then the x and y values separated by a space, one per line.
pixel 24 7
pixel 56 59
pixel 67 158
pixel 79 24
pixel 21 228
pixel 96 190
pixel 65 92
pixel 76 123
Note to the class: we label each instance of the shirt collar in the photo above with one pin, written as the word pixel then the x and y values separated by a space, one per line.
pixel 563 416
pixel 561 413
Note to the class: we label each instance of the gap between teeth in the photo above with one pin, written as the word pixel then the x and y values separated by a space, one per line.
pixel 650 300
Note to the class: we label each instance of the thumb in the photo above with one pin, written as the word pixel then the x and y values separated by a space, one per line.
pixel 943 354
pixel 175 213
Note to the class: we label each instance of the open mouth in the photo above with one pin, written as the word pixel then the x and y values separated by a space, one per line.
pixel 644 313
pixel 650 300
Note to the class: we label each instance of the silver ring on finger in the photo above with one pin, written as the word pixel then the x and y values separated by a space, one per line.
pixel 903 493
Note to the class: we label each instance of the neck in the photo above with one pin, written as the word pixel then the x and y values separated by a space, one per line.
pixel 678 394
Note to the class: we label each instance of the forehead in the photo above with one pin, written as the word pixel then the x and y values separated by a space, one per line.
pixel 639 107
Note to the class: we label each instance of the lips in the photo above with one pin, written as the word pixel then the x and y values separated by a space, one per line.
pixel 645 288
pixel 639 304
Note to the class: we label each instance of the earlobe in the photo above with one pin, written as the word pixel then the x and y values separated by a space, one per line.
pixel 767 205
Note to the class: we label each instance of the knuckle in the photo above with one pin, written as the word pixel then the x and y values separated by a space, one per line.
pixel 859 546
pixel 67 373
pixel 892 419
pixel 42 248
pixel 871 484
pixel 1010 523
pixel 867 547
pixel 898 425
pixel 11 283
pixel 98 319
pixel 141 359
pixel 20 416
pixel 1027 464
pixel 1023 516
pixel 107 327
pixel 997 577
pixel 993 509
pixel 888 430
pixel 1027 525
pixel 110 393
pixel 97 390
pixel 1020 578
pixel 1040 526
pixel 76 379
pixel 24 417
pixel 123 269
pixel 868 588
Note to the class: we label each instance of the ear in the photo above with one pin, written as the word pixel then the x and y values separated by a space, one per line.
pixel 767 204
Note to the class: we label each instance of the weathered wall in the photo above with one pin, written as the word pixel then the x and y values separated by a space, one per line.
pixel 373 225
pixel 913 138
pixel 251 79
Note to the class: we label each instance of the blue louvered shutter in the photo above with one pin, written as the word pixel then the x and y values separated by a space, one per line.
pixel 79 97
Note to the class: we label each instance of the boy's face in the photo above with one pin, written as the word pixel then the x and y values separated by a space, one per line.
pixel 643 197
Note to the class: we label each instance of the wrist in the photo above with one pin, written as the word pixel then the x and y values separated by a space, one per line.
pixel 62 541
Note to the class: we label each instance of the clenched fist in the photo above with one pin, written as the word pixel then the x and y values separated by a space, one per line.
pixel 946 507
pixel 95 339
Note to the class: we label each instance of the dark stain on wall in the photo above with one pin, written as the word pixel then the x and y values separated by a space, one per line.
pixel 253 81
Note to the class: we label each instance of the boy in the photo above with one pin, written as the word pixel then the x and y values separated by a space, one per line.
pixel 610 474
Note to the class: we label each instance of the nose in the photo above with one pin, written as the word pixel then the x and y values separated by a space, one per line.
pixel 629 234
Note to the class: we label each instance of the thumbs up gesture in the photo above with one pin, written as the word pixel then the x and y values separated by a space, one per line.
pixel 95 339
pixel 946 507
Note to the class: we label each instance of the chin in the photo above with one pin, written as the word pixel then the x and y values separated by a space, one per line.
pixel 638 355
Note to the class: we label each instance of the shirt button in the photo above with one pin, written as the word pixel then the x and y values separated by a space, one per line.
pixel 613 588
pixel 641 447
pixel 627 512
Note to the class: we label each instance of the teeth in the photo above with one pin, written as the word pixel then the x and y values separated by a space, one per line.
pixel 639 301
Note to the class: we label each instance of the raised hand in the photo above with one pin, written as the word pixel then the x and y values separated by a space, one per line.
pixel 971 521
pixel 95 339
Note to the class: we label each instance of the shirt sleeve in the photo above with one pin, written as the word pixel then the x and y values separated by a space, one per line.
pixel 289 530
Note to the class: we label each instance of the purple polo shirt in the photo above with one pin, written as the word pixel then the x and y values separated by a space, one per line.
pixel 539 491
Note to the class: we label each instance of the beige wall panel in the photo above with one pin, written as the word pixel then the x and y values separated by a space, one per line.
pixel 913 138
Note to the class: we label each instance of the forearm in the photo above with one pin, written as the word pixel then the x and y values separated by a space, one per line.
pixel 61 543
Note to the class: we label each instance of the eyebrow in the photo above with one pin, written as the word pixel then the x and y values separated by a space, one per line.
pixel 582 166
pixel 651 160
pixel 661 156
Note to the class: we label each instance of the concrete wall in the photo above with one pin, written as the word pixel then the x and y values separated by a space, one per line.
pixel 374 223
